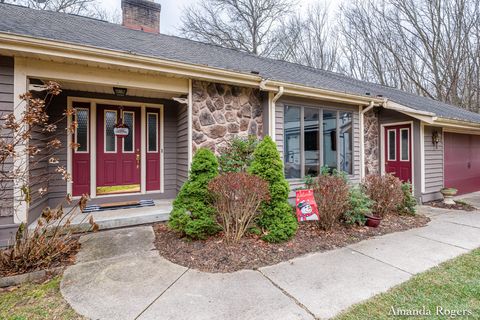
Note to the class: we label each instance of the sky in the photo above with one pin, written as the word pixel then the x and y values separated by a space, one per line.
pixel 172 11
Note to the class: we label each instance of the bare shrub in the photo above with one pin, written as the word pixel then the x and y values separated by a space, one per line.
pixel 331 194
pixel 386 192
pixel 51 241
pixel 237 199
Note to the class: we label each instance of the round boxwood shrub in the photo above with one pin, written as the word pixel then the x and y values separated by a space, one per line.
pixel 193 214
pixel 277 215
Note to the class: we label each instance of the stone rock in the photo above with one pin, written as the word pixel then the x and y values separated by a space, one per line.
pixel 244 124
pixel 252 129
pixel 196 108
pixel 236 91
pixel 230 116
pixel 198 137
pixel 256 111
pixel 219 104
pixel 206 118
pixel 228 97
pixel 259 130
pixel 196 123
pixel 209 145
pixel 212 90
pixel 233 128
pixel 243 99
pixel 210 105
pixel 246 111
pixel 219 117
pixel 220 88
pixel 228 107
pixel 216 131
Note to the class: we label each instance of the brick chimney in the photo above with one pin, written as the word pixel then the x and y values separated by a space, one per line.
pixel 141 15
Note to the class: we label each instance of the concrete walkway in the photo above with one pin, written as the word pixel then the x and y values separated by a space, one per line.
pixel 119 275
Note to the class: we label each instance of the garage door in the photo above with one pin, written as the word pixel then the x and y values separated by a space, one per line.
pixel 462 162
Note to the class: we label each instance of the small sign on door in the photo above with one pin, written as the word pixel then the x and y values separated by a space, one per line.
pixel 307 209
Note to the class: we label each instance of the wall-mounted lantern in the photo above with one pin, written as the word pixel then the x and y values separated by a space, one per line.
pixel 435 138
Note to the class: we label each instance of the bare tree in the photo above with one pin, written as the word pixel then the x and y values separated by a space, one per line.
pixel 247 25
pixel 309 39
pixel 428 47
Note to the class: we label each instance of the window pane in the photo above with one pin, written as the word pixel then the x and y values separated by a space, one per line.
pixel 346 137
pixel 152 132
pixel 292 142
pixel 311 126
pixel 405 142
pixel 392 147
pixel 110 121
pixel 128 140
pixel 330 139
pixel 82 130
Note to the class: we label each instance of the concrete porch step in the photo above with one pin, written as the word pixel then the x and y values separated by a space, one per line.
pixel 111 219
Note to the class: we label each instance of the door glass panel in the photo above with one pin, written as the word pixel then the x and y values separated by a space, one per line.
pixel 330 139
pixel 312 141
pixel 404 133
pixel 152 132
pixel 392 145
pixel 346 132
pixel 82 130
pixel 128 120
pixel 110 139
pixel 292 142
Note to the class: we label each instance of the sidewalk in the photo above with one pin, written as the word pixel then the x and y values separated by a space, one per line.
pixel 119 275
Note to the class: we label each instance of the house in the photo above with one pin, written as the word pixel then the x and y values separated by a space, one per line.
pixel 177 95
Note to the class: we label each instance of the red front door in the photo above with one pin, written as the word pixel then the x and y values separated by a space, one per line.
pixel 398 151
pixel 118 159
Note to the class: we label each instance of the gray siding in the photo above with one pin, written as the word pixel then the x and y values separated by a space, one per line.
pixel 279 137
pixel 182 145
pixel 433 165
pixel 7 226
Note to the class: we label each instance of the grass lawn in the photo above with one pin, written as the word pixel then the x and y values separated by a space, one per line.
pixel 36 301
pixel 453 285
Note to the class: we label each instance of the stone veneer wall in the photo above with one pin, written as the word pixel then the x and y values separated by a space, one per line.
pixel 222 111
pixel 372 142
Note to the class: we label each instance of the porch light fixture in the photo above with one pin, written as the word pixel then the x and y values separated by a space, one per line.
pixel 435 138
pixel 120 92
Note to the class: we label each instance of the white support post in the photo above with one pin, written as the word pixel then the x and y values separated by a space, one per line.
pixel 20 161
pixel 190 125
pixel 143 151
pixel 93 150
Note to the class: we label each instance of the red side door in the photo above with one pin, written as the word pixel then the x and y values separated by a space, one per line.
pixel 398 151
pixel 153 149
pixel 118 159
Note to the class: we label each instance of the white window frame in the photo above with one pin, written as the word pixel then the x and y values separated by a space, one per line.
pixel 132 131
pixel 388 144
pixel 88 131
pixel 148 131
pixel 105 131
pixel 408 145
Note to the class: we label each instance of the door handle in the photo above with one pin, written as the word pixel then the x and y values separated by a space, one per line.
pixel 137 157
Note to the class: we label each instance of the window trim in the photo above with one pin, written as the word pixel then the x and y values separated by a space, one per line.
pixel 148 130
pixel 408 145
pixel 105 131
pixel 130 129
pixel 88 131
pixel 388 144
pixel 321 110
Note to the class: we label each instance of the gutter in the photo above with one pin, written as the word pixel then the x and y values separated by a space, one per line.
pixel 271 108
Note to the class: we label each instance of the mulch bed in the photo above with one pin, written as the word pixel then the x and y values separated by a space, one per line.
pixel 214 255
pixel 63 261
pixel 459 205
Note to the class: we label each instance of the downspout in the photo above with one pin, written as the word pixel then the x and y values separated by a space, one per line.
pixel 362 138
pixel 272 111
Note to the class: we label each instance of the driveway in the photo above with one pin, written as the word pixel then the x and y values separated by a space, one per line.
pixel 119 275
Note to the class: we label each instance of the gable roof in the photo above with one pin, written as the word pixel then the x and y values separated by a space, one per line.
pixel 80 30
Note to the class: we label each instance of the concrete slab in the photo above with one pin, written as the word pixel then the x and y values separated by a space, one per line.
pixel 120 287
pixel 471 219
pixel 111 243
pixel 240 295
pixel 451 233
pixel 470 198
pixel 407 251
pixel 327 283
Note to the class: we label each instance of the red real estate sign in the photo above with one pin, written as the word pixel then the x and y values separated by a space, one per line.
pixel 307 209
